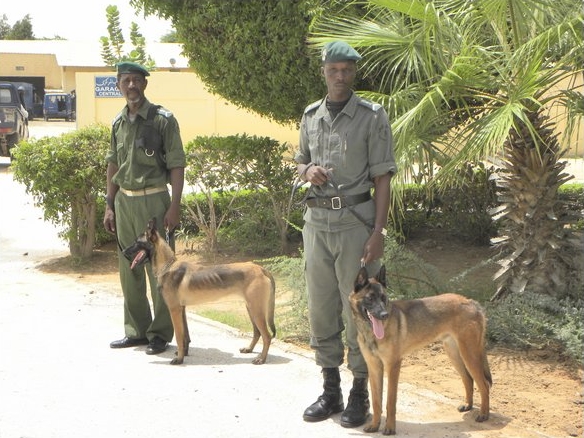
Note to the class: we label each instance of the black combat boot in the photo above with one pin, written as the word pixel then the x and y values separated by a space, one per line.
pixel 331 400
pixel 358 405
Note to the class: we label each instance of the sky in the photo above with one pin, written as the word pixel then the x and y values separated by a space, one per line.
pixel 81 20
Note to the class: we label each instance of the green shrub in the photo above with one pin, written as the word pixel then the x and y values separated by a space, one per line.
pixel 233 164
pixel 66 175
pixel 538 321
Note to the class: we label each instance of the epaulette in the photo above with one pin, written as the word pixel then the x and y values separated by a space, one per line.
pixel 164 112
pixel 117 118
pixel 372 106
pixel 313 106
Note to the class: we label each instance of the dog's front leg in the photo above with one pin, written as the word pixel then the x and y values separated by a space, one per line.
pixel 375 370
pixel 393 370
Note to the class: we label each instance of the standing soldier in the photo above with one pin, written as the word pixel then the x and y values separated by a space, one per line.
pixel 345 150
pixel 146 154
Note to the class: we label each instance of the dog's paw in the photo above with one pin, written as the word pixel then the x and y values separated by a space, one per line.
pixel 176 361
pixel 245 350
pixel 388 431
pixel 371 428
pixel 482 417
pixel 259 360
pixel 464 408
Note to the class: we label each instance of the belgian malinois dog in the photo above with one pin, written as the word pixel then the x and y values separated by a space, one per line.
pixel 184 283
pixel 388 330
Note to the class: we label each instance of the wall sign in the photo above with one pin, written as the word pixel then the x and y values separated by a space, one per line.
pixel 105 86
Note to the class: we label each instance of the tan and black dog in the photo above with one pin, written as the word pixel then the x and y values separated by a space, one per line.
pixel 184 283
pixel 388 330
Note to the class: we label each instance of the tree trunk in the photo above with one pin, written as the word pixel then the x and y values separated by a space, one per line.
pixel 534 239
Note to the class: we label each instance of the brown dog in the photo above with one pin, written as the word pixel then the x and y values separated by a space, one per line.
pixel 184 283
pixel 388 330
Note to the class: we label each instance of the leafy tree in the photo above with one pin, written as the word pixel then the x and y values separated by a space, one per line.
pixel 478 78
pixel 22 29
pixel 112 47
pixel 4 27
pixel 253 52
pixel 170 37
pixel 65 174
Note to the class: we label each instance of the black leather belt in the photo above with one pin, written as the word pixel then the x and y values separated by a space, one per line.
pixel 338 202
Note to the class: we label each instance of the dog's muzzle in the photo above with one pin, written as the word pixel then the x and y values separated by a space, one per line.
pixel 137 254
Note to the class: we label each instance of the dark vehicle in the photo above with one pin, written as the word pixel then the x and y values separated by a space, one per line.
pixel 32 101
pixel 13 118
pixel 59 106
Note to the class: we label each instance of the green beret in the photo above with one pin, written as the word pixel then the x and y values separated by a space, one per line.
pixel 339 51
pixel 131 67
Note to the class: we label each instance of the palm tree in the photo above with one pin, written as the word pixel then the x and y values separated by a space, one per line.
pixel 475 79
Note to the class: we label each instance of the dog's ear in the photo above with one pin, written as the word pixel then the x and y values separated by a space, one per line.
pixel 152 224
pixel 362 279
pixel 152 230
pixel 382 276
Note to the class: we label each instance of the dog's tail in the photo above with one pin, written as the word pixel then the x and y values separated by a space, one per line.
pixel 272 302
pixel 486 368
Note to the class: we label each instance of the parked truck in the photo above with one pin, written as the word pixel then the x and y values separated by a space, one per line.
pixel 13 118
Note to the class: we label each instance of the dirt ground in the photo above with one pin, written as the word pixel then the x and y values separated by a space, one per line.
pixel 536 387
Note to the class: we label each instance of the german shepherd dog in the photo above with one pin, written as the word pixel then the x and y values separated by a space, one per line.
pixel 184 283
pixel 388 330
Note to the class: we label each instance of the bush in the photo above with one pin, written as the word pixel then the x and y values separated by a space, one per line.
pixel 247 225
pixel 66 175
pixel 230 166
pixel 538 321
pixel 461 209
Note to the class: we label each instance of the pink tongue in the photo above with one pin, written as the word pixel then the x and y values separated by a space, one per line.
pixel 377 326
pixel 138 258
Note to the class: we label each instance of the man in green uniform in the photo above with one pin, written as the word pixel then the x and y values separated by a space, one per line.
pixel 345 150
pixel 146 154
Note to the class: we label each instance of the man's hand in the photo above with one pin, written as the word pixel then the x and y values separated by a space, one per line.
pixel 317 175
pixel 172 217
pixel 109 220
pixel 373 249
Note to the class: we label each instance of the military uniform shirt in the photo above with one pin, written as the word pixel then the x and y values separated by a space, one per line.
pixel 356 146
pixel 136 169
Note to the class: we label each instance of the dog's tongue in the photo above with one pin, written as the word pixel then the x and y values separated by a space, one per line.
pixel 141 254
pixel 377 326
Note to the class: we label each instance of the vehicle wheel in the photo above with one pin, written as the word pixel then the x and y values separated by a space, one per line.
pixel 12 140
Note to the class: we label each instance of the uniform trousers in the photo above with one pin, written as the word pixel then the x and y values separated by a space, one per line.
pixel 132 216
pixel 332 262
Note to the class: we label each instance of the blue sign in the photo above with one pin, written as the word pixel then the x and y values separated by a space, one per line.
pixel 105 86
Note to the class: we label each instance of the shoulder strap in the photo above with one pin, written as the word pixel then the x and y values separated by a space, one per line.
pixel 152 111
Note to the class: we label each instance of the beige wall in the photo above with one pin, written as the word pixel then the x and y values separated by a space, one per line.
pixel 198 112
pixel 25 64
pixel 575 141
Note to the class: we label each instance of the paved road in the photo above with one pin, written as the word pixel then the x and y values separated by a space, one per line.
pixel 59 378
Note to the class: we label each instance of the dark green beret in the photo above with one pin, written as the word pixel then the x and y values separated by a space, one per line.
pixel 131 67
pixel 339 51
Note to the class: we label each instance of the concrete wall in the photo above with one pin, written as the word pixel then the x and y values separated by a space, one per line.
pixel 28 64
pixel 198 112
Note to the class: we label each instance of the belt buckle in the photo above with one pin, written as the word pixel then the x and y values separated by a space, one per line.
pixel 336 203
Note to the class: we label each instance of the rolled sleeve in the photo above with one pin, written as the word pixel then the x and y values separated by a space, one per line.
pixel 174 152
pixel 381 155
